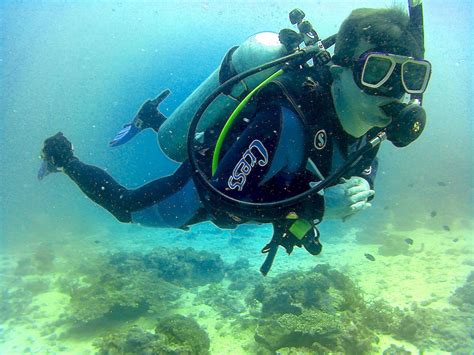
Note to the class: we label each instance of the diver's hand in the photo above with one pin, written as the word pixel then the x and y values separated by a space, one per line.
pixel 149 116
pixel 57 151
pixel 347 198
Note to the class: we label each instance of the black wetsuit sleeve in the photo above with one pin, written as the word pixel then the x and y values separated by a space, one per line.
pixel 104 190
pixel 370 173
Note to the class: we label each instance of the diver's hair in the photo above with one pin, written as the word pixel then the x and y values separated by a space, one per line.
pixel 383 28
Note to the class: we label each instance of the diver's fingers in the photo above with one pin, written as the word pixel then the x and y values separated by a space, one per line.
pixel 360 206
pixel 161 96
pixel 356 189
pixel 354 181
pixel 361 196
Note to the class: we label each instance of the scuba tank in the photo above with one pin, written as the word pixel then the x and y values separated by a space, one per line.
pixel 256 50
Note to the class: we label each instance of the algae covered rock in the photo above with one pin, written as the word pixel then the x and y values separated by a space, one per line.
pixel 113 294
pixel 463 297
pixel 382 317
pixel 449 330
pixel 123 286
pixel 228 303
pixel 186 267
pixel 320 287
pixel 134 341
pixel 173 335
pixel 290 330
pixel 319 309
pixel 396 350
pixel 184 332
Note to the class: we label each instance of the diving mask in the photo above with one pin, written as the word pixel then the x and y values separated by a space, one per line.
pixel 391 75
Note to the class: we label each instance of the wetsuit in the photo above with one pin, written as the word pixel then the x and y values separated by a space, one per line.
pixel 267 162
pixel 173 201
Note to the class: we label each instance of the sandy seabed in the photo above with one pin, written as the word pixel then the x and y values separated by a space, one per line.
pixel 428 273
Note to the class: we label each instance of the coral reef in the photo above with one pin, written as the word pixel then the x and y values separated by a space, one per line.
pixel 396 350
pixel 186 267
pixel 242 276
pixel 463 297
pixel 13 303
pixel 185 332
pixel 317 310
pixel 228 297
pixel 381 316
pixel 312 311
pixel 227 303
pixel 126 285
pixel 324 311
pixel 173 335
pixel 125 296
pixel 448 330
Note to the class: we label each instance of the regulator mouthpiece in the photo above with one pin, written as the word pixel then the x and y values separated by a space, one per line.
pixel 408 122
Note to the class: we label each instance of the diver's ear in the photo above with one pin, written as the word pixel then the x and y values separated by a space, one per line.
pixel 336 71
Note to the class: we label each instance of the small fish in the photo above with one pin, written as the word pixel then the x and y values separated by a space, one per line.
pixel 455 240
pixel 409 241
pixel 369 256
pixel 446 228
pixel 433 213
pixel 411 185
pixel 442 183
pixel 96 241
pixel 386 208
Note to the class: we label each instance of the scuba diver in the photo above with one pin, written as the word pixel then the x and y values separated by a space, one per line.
pixel 280 133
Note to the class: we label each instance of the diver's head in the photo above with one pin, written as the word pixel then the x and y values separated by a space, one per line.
pixel 376 61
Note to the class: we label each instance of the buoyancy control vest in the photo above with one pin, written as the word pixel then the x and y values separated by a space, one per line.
pixel 307 92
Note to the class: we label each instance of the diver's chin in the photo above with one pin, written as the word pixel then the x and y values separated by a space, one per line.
pixel 383 120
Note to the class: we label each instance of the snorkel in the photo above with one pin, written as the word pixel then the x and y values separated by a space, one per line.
pixel 408 119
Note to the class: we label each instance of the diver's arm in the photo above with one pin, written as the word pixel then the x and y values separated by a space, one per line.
pixel 164 198
pixel 126 205
pixel 100 187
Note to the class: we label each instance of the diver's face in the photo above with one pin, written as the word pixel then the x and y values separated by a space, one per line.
pixel 357 111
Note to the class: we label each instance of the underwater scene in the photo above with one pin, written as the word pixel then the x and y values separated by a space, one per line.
pixel 87 267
